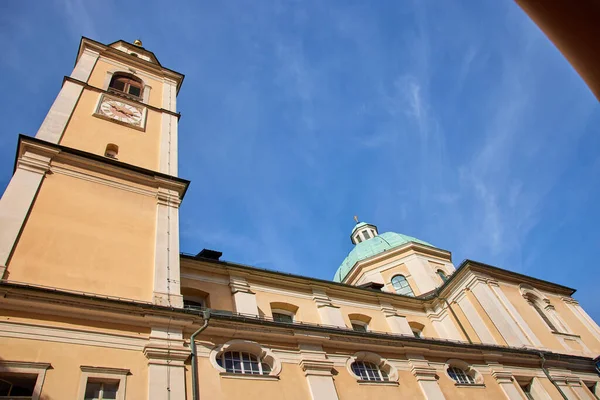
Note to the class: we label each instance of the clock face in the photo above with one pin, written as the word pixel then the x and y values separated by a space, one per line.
pixel 121 111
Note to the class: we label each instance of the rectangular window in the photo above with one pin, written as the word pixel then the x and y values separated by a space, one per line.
pixel 280 317
pixel 17 386
pixel 366 234
pixel 101 390
pixel 359 327
pixel 136 91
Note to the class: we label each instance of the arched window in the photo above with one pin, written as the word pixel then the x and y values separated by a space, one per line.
pixel 367 366
pixel 242 362
pixel 462 373
pixel 244 357
pixel 460 376
pixel 128 84
pixel 367 371
pixel 442 275
pixel 535 303
pixel 401 285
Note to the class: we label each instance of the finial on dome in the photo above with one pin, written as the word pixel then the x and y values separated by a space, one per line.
pixel 137 42
pixel 356 218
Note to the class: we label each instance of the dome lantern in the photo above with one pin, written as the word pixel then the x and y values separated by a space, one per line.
pixel 362 232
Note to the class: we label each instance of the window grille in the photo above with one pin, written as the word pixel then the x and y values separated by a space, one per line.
pixel 460 376
pixel 367 371
pixel 401 285
pixel 241 362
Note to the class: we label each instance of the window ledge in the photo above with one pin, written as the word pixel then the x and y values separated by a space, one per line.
pixel 230 375
pixel 566 334
pixel 471 385
pixel 377 383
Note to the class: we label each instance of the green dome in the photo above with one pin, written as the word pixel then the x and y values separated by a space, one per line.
pixel 371 247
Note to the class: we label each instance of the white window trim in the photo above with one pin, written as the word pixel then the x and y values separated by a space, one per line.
pixel 24 367
pixel 103 373
pixel 469 370
pixel 285 312
pixel 376 359
pixel 263 354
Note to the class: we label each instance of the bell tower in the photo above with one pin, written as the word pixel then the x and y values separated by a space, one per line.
pixel 93 205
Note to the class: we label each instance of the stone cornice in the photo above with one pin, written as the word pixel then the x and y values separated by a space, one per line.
pixel 52 301
pixel 44 156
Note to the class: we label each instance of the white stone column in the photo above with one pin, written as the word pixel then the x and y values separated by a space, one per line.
pixel 506 382
pixel 243 298
pixel 19 196
pixel 166 369
pixel 59 114
pixel 498 314
pixel 167 289
pixel 515 315
pixel 474 318
pixel 426 377
pixel 169 125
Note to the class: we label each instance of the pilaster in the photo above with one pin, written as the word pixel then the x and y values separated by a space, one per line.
pixel 243 298
pixel 330 314
pixel 580 313
pixel 166 355
pixel 427 379
pixel 514 313
pixel 57 118
pixel 397 323
pixel 506 382
pixel 500 317
pixel 444 325
pixel 167 289
pixel 318 371
pixel 474 318
pixel 32 165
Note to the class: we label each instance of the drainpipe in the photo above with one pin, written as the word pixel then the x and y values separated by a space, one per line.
pixel 195 391
pixel 550 378
pixel 462 328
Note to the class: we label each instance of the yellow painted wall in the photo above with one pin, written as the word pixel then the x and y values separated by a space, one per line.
pixel 465 323
pixel 291 385
pixel 89 133
pixel 54 321
pixel 88 237
pixel 219 295
pixel 536 324
pixel 348 388
pixel 62 380
pixel 307 309
pixel 491 390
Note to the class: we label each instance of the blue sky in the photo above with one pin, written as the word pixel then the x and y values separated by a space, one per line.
pixel 456 122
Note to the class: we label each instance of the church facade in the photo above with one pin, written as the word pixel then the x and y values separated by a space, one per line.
pixel 97 302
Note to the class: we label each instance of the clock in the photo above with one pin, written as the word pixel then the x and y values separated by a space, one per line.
pixel 120 111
